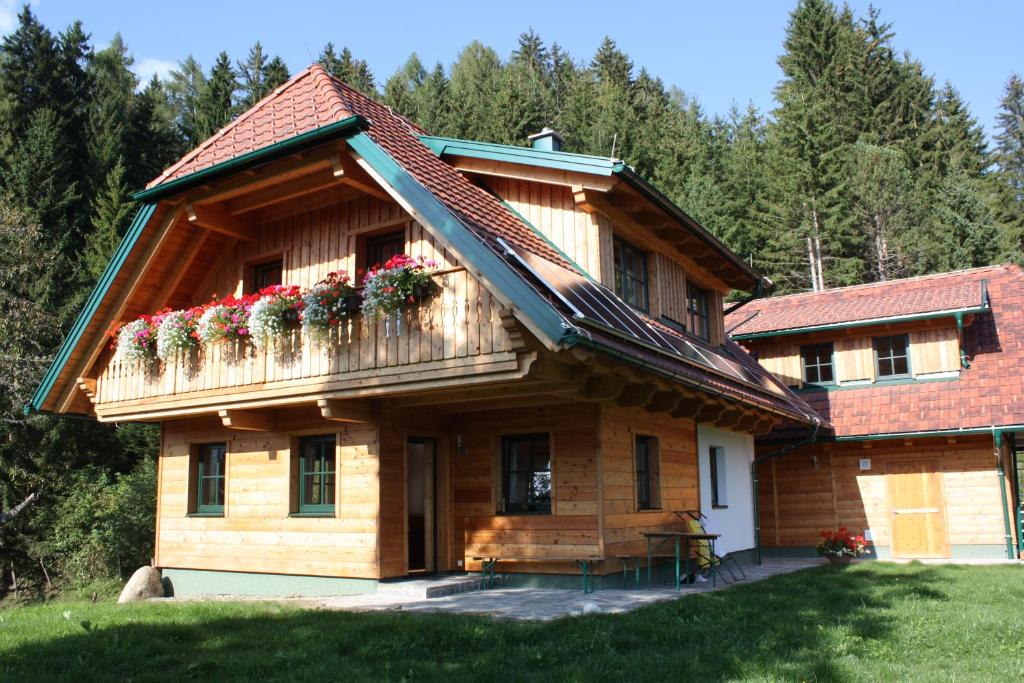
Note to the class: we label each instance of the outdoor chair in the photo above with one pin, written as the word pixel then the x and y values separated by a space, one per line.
pixel 707 560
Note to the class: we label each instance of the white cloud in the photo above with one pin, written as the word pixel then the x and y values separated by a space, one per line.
pixel 9 10
pixel 145 67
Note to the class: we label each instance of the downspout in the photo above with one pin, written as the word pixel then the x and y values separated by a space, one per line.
pixel 964 363
pixel 754 483
pixel 997 438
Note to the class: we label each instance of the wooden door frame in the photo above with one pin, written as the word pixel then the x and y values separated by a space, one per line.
pixel 943 508
pixel 442 497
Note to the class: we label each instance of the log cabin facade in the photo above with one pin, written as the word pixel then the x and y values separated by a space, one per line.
pixel 566 389
pixel 920 382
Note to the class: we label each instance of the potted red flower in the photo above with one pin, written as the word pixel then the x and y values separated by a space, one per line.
pixel 840 547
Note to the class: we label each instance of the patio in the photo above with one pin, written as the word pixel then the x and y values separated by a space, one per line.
pixel 539 604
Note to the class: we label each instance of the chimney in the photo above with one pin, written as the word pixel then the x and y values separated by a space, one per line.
pixel 546 141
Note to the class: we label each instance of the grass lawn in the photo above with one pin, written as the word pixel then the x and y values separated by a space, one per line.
pixel 869 622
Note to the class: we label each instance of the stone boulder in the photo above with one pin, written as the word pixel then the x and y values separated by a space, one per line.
pixel 144 584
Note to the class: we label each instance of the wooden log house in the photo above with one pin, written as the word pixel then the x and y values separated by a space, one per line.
pixel 920 381
pixel 569 388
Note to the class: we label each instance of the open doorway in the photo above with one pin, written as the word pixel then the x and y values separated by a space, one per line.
pixel 421 504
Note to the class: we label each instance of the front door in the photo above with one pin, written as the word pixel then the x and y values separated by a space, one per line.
pixel 917 510
pixel 421 503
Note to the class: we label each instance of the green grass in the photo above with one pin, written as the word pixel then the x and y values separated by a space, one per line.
pixel 870 622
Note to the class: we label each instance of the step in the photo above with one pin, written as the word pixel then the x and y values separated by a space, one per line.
pixel 425 589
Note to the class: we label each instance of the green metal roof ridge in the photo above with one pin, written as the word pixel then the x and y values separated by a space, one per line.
pixel 562 161
pixel 965 431
pixel 262 154
pixel 92 303
pixel 468 245
pixel 868 322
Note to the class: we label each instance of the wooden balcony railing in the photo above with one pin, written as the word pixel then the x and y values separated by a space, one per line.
pixel 462 326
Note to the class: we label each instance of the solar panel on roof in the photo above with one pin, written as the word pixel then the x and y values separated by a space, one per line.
pixel 594 305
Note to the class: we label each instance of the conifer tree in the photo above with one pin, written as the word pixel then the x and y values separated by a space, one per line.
pixel 1008 179
pixel 112 210
pixel 276 73
pixel 215 102
pixel 252 77
pixel 344 67
pixel 184 87
pixel 111 112
pixel 475 78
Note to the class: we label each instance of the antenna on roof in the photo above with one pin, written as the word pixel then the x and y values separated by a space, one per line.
pixel 310 54
pixel 615 138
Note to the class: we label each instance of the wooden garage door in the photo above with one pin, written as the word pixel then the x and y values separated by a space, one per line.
pixel 917 510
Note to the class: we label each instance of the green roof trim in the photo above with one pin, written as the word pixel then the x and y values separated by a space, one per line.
pixel 91 304
pixel 470 247
pixel 261 155
pixel 967 431
pixel 871 322
pixel 562 161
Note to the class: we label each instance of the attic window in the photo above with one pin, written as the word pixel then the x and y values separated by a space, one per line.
pixel 891 357
pixel 380 248
pixel 697 311
pixel 630 274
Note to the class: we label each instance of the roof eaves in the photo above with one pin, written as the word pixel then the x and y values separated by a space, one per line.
pixel 92 303
pixel 262 155
pixel 867 322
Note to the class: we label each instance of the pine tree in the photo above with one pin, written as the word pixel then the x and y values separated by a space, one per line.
pixel 880 187
pixel 475 78
pixel 252 76
pixel 401 91
pixel 111 111
pixel 276 73
pixel 354 72
pixel 1008 179
pixel 963 232
pixel 215 103
pixel 112 210
pixel 184 87
pixel 435 107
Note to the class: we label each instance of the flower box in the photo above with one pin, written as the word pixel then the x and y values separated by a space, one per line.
pixel 402 281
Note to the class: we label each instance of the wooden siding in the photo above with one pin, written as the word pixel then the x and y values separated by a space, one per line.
pixel 458 331
pixel 783 362
pixel 572 528
pixel 935 350
pixel 623 524
pixel 854 358
pixel 799 500
pixel 256 533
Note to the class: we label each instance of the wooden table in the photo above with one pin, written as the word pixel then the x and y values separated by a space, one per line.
pixel 677 537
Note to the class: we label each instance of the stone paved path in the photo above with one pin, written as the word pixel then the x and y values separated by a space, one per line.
pixel 542 604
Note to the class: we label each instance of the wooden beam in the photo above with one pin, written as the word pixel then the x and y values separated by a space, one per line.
pixel 273 173
pixel 636 394
pixel 583 198
pixel 346 411
pixel 687 408
pixel 747 423
pixel 663 402
pixel 87 385
pixel 349 172
pixel 307 184
pixel 603 388
pixel 215 218
pixel 308 202
pixel 246 420
pixel 729 418
pixel 202 235
pixel 708 412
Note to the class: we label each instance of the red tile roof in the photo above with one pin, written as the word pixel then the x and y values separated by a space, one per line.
pixel 313 99
pixel 988 394
pixel 926 294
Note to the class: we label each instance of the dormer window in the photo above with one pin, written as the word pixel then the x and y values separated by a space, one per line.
pixel 630 274
pixel 698 320
pixel 818 363
pixel 891 358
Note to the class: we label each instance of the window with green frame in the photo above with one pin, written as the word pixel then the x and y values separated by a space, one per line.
pixel 211 461
pixel 892 357
pixel 698 317
pixel 818 364
pixel 316 473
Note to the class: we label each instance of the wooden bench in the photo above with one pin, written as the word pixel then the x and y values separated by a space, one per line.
pixel 635 560
pixel 488 565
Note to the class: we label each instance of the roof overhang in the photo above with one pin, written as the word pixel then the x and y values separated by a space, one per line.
pixel 594 166
pixel 867 322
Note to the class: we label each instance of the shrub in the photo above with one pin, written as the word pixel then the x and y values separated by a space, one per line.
pixel 841 543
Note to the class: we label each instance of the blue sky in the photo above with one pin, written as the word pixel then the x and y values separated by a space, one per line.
pixel 719 52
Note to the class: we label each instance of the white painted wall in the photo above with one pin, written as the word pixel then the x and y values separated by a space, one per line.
pixel 736 521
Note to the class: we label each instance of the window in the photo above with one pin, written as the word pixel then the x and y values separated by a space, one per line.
pixel 526 463
pixel 891 358
pixel 648 473
pixel 210 470
pixel 716 467
pixel 817 362
pixel 697 311
pixel 316 474
pixel 267 274
pixel 630 274
pixel 381 248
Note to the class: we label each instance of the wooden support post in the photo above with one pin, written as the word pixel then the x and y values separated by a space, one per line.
pixel 349 172
pixel 247 421
pixel 345 411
